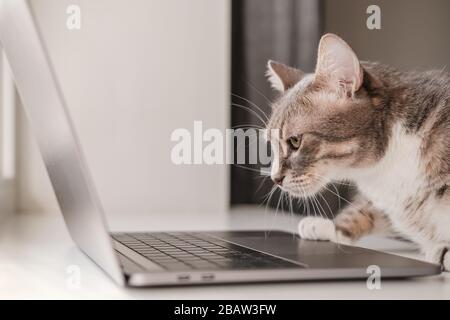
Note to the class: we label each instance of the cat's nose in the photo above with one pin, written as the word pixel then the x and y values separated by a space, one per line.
pixel 278 180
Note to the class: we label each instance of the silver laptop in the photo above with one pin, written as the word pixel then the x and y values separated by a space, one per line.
pixel 162 258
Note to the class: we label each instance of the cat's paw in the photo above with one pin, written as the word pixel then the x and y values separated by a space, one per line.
pixel 314 228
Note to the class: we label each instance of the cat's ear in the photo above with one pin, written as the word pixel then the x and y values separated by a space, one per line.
pixel 338 65
pixel 282 77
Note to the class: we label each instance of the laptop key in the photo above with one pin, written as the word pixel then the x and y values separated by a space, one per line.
pixel 186 251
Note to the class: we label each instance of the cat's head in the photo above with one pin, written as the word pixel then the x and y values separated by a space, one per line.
pixel 329 122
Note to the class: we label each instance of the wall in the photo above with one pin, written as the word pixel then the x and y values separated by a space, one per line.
pixel 414 33
pixel 136 71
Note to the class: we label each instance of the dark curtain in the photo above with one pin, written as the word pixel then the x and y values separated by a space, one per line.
pixel 287 31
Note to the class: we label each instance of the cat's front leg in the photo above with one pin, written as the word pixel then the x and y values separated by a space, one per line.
pixel 356 220
pixel 439 254
pixel 315 228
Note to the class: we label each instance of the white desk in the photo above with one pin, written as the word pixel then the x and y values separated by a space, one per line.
pixel 36 250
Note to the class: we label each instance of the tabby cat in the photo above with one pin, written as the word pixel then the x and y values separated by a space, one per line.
pixel 384 130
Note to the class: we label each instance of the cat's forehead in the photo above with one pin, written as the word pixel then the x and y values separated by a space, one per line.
pixel 291 97
pixel 309 106
pixel 297 102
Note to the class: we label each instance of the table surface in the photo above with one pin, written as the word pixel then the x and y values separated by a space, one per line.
pixel 37 258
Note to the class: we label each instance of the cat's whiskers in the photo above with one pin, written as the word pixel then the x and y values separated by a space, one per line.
pixel 264 179
pixel 322 210
pixel 303 200
pixel 253 104
pixel 278 203
pixel 250 169
pixel 271 193
pixel 309 201
pixel 264 122
pixel 268 197
pixel 327 204
pixel 292 211
pixel 316 209
pixel 259 92
pixel 338 195
pixel 247 126
pixel 349 203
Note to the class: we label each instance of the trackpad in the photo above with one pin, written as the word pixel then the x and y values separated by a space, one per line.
pixel 290 246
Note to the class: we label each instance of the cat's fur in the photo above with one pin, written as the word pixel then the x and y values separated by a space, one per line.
pixel 385 130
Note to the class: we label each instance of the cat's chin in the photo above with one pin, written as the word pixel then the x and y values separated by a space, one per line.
pixel 305 191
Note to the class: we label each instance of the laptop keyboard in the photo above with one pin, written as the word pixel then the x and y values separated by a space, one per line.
pixel 189 251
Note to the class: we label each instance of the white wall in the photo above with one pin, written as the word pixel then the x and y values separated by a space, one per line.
pixel 136 70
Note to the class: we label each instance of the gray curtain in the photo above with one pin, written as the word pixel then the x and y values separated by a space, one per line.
pixel 284 30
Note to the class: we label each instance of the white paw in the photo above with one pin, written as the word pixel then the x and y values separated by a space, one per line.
pixel 313 228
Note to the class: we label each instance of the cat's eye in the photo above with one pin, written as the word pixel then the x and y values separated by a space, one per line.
pixel 295 142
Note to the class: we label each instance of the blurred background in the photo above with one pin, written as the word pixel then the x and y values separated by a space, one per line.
pixel 137 70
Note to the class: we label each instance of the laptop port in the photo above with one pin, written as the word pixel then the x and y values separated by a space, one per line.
pixel 208 277
pixel 184 277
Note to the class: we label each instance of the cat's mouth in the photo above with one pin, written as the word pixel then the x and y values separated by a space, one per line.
pixel 303 189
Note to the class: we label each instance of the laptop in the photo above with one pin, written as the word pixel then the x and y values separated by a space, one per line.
pixel 161 258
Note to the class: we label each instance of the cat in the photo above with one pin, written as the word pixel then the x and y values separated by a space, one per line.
pixel 386 131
